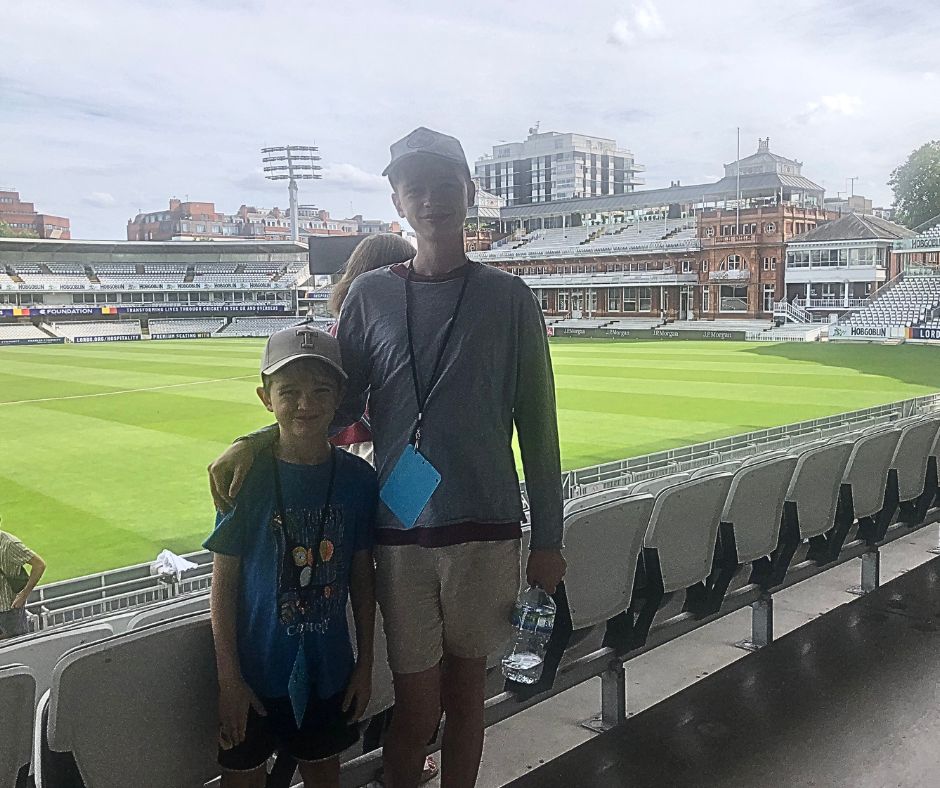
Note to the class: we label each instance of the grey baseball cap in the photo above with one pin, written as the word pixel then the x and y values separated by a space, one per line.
pixel 427 142
pixel 297 342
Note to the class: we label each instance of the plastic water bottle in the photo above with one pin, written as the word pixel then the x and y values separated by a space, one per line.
pixel 533 618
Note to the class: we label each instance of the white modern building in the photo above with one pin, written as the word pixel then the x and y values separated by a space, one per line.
pixel 551 166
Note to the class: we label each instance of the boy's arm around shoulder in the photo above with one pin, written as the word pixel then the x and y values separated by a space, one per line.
pixel 351 335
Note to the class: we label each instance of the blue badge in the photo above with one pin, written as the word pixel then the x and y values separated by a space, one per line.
pixel 298 686
pixel 410 486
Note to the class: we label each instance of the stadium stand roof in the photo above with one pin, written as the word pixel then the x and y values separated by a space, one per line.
pixel 724 189
pixel 930 224
pixel 854 227
pixel 142 247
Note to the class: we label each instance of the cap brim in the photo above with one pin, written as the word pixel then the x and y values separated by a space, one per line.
pixel 411 154
pixel 272 368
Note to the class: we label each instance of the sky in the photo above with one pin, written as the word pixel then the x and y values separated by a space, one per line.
pixel 110 107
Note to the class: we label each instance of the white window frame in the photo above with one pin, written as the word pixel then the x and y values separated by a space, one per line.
pixel 770 290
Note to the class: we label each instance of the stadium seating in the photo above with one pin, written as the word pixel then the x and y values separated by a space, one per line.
pixel 262 326
pixel 620 238
pixel 911 301
pixel 22 331
pixel 152 694
pixel 17 699
pixel 92 328
pixel 912 456
pixel 41 651
pixel 181 606
pixel 720 325
pixel 600 584
pixel 207 325
pixel 636 323
pixel 692 531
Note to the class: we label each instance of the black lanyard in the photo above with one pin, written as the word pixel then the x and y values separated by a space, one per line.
pixel 324 510
pixel 422 399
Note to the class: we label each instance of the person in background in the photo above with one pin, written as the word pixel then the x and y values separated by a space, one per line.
pixel 378 251
pixel 15 584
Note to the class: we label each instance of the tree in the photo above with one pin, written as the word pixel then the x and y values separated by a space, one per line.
pixel 15 232
pixel 916 185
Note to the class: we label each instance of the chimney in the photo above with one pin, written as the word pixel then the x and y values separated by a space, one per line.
pixel 175 204
pixel 763 145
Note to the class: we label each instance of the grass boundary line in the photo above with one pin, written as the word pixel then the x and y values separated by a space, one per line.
pixel 124 391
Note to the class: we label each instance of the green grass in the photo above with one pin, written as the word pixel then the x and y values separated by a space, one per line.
pixel 103 448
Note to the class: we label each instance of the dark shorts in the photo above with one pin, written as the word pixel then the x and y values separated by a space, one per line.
pixel 13 622
pixel 324 733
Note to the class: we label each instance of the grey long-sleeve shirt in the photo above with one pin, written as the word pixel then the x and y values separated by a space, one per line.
pixel 496 371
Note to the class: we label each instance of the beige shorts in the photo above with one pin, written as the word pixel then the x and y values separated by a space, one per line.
pixel 456 599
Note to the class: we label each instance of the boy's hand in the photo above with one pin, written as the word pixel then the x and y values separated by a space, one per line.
pixel 359 692
pixel 235 698
pixel 19 600
pixel 227 473
pixel 545 569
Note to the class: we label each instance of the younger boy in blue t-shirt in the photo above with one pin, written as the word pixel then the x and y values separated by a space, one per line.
pixel 296 544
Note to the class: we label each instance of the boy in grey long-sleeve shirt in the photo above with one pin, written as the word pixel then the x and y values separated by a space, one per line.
pixel 495 371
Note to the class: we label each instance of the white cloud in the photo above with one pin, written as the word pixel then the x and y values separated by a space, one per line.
pixel 100 199
pixel 642 20
pixel 840 104
pixel 349 177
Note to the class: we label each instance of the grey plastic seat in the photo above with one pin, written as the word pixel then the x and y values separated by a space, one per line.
pixel 152 694
pixel 656 486
pixel 597 498
pixel 815 484
pixel 41 652
pixel 191 603
pixel 867 470
pixel 602 544
pixel 18 701
pixel 755 505
pixel 911 455
pixel 684 528
pixel 722 467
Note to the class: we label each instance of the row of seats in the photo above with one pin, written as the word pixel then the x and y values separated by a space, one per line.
pixel 259 326
pixel 633 553
pixel 587 239
pixel 21 331
pixel 93 328
pixel 185 325
pixel 912 301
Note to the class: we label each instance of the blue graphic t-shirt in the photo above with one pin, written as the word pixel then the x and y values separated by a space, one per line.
pixel 295 574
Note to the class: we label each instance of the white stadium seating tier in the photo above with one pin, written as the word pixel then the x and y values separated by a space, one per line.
pixel 22 331
pixel 588 240
pixel 263 326
pixel 93 328
pixel 185 325
pixel 912 301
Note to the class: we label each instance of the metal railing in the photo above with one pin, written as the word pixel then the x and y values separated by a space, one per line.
pixel 792 311
pixel 104 593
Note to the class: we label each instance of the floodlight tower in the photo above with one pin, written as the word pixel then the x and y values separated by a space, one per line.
pixel 291 163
